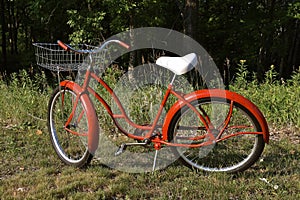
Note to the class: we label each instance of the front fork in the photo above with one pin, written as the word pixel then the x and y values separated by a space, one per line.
pixel 88 109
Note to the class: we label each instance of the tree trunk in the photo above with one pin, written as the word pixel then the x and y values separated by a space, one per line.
pixel 190 18
pixel 267 36
pixel 132 54
pixel 10 28
pixel 4 30
pixel 294 50
pixel 15 27
pixel 226 73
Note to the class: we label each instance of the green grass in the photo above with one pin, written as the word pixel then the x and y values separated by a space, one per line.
pixel 279 100
pixel 31 170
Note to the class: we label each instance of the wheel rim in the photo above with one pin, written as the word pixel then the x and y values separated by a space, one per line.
pixel 228 155
pixel 70 148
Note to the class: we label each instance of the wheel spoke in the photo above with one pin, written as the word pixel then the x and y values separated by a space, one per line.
pixel 239 147
pixel 68 127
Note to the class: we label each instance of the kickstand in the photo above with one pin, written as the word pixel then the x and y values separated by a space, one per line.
pixel 154 161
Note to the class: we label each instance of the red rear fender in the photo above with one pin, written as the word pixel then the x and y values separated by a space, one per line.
pixel 216 93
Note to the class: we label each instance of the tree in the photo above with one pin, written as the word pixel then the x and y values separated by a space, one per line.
pixel 190 16
pixel 263 32
pixel 3 27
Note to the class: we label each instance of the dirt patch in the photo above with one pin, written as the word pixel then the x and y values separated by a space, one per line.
pixel 290 133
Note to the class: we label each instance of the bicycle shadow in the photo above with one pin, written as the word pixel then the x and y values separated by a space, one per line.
pixel 278 158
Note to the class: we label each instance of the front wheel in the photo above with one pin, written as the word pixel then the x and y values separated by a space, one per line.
pixel 233 154
pixel 68 128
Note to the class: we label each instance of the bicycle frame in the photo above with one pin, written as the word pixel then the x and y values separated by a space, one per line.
pixel 159 138
pixel 151 128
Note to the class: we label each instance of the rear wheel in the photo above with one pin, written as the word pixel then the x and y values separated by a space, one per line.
pixel 233 154
pixel 68 140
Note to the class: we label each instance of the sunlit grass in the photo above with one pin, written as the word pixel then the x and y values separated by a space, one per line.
pixel 31 170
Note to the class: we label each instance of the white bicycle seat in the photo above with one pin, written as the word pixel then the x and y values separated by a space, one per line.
pixel 178 65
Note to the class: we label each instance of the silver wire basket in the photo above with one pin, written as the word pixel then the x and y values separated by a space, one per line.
pixel 53 57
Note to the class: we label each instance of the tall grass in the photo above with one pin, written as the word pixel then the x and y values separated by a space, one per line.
pixel 24 100
pixel 279 100
pixel 31 170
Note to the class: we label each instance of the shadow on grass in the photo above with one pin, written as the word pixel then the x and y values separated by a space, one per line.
pixel 279 158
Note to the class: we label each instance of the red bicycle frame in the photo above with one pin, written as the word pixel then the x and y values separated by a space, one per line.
pixel 162 138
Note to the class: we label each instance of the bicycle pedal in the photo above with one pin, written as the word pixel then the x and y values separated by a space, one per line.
pixel 121 149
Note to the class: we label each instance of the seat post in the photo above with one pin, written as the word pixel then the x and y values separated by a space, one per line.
pixel 173 79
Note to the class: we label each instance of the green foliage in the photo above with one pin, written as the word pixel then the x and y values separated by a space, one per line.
pixel 86 25
pixel 278 100
pixel 133 14
pixel 242 74
pixel 294 10
pixel 90 24
pixel 295 78
pixel 262 32
pixel 31 170
pixel 271 76
pixel 24 101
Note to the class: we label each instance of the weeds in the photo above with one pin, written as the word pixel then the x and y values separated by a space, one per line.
pixel 278 100
pixel 24 101
pixel 31 170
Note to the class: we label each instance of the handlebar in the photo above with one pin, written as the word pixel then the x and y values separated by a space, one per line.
pixel 63 45
pixel 67 47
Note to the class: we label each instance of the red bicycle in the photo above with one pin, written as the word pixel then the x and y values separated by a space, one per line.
pixel 226 121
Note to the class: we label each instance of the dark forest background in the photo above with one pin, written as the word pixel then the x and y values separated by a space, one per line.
pixel 262 32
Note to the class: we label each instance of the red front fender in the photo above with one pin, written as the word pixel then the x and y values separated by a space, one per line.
pixel 216 93
pixel 93 125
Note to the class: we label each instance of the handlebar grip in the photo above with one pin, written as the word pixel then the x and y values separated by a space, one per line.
pixel 63 45
pixel 123 44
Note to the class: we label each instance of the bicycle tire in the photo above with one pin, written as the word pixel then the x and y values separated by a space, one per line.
pixel 230 155
pixel 71 149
